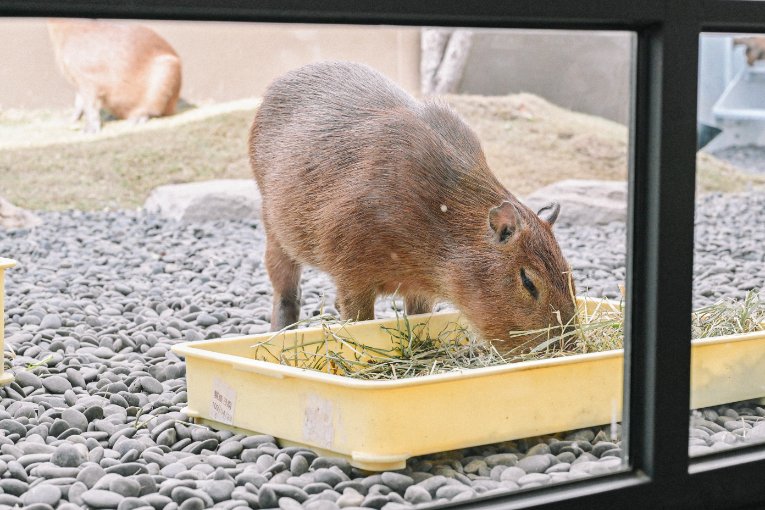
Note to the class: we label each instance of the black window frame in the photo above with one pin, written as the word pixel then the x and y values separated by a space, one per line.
pixel 662 182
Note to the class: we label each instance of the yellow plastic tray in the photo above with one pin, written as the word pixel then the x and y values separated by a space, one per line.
pixel 377 425
pixel 4 264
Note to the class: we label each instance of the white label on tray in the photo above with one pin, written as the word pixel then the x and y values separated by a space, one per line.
pixel 317 422
pixel 223 402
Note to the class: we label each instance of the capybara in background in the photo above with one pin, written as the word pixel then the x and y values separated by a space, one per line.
pixel 126 69
pixel 389 194
pixel 755 48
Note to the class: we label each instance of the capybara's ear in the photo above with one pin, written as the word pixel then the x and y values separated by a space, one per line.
pixel 505 221
pixel 549 213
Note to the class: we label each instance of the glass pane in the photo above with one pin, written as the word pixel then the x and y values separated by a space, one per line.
pixel 729 357
pixel 377 194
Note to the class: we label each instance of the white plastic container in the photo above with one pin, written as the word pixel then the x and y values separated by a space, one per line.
pixel 744 97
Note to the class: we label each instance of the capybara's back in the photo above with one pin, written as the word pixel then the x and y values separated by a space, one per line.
pixel 127 69
pixel 389 194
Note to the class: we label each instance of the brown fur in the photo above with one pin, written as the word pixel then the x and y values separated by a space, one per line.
pixel 389 194
pixel 755 48
pixel 126 69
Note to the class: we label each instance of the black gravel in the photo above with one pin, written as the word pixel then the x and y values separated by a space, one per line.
pixel 747 157
pixel 728 259
pixel 94 418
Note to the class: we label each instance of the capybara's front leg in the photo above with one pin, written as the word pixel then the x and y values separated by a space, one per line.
pixel 355 305
pixel 78 108
pixel 92 107
pixel 138 119
pixel 285 279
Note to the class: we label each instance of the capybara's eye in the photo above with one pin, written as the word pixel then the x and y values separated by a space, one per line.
pixel 529 284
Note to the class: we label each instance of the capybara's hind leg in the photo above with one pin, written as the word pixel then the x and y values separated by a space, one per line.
pixel 92 107
pixel 285 279
pixel 355 305
pixel 417 304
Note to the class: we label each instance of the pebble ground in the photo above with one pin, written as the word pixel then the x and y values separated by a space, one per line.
pixel 746 157
pixel 95 416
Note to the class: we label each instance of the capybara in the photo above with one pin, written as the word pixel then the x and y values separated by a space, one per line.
pixel 389 194
pixel 126 69
pixel 755 48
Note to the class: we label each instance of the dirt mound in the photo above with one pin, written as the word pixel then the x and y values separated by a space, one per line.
pixel 530 143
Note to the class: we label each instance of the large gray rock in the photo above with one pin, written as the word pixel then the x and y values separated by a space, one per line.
pixel 12 217
pixel 207 200
pixel 584 202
